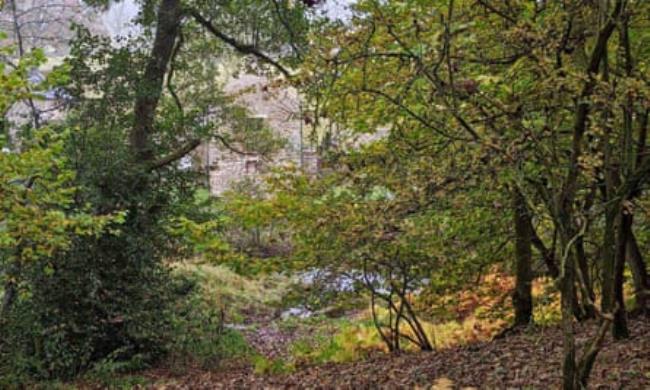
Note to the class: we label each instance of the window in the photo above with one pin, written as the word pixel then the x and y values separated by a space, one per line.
pixel 251 167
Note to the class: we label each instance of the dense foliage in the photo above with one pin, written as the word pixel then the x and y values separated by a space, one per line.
pixel 87 202
pixel 534 113
pixel 459 141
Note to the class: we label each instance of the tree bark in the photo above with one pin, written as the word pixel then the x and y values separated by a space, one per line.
pixel 522 298
pixel 608 259
pixel 151 85
pixel 8 299
pixel 633 255
pixel 586 310
pixel 546 253
pixel 580 312
pixel 619 328
pixel 639 274
pixel 567 292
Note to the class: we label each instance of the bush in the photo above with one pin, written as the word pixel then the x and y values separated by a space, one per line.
pixel 201 338
pixel 264 365
pixel 89 312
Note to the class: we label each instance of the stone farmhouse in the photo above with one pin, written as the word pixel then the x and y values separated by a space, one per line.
pixel 280 109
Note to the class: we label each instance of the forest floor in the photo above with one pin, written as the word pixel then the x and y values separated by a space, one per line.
pixel 530 359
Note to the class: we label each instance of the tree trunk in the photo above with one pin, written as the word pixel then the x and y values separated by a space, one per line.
pixel 639 275
pixel 522 298
pixel 586 309
pixel 151 85
pixel 546 253
pixel 35 113
pixel 580 312
pixel 619 328
pixel 564 206
pixel 8 299
pixel 10 287
pixel 609 259
pixel 567 292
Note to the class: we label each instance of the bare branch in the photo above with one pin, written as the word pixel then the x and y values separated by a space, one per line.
pixel 170 75
pixel 229 146
pixel 412 113
pixel 240 47
pixel 176 155
pixel 287 26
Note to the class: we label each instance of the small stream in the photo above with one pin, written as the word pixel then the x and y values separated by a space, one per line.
pixel 347 283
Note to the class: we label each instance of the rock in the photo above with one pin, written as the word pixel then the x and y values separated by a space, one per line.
pixel 300 312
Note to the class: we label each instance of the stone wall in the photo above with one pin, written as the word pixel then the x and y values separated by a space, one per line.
pixel 280 109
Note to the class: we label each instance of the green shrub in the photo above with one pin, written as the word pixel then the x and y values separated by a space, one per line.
pixel 68 324
pixel 264 365
pixel 352 342
pixel 110 373
pixel 199 333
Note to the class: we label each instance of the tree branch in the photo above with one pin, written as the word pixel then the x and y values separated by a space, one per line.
pixel 287 26
pixel 240 47
pixel 568 191
pixel 229 146
pixel 423 121
pixel 497 11
pixel 170 75
pixel 175 155
pixel 190 146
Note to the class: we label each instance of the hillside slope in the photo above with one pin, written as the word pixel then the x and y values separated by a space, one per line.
pixel 526 360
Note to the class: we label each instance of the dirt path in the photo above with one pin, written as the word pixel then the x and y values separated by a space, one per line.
pixel 529 360
pixel 268 339
pixel 264 334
